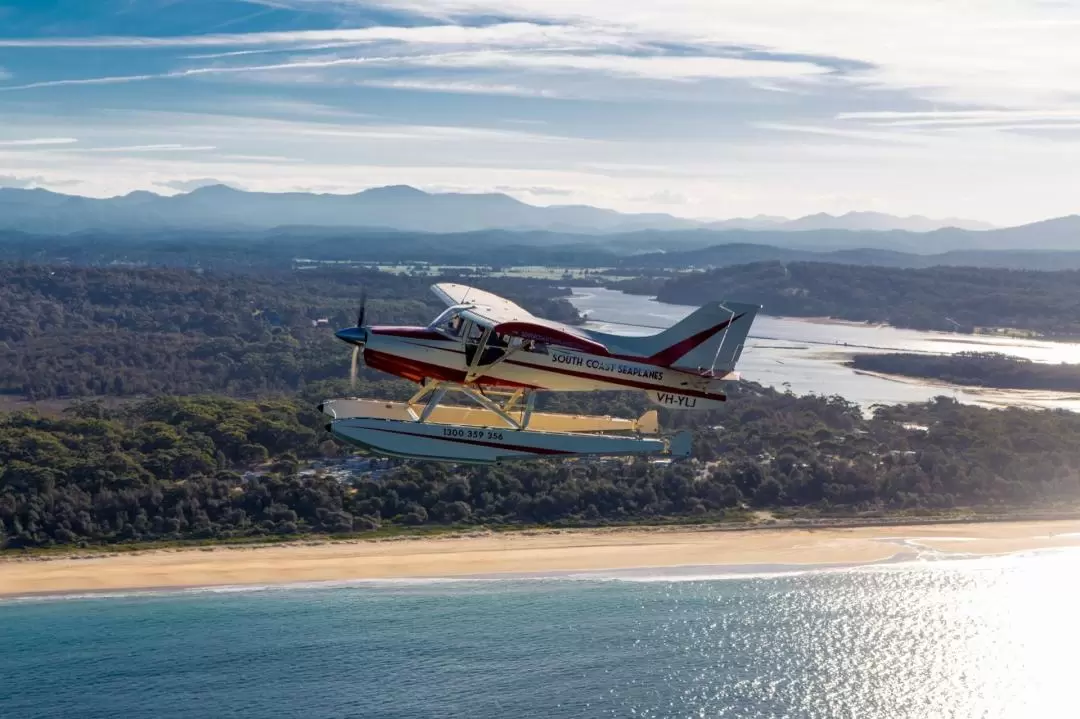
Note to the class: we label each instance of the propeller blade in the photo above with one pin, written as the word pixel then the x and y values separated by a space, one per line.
pixel 355 366
pixel 363 309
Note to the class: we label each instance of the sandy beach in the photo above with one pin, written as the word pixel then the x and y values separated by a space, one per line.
pixel 521 552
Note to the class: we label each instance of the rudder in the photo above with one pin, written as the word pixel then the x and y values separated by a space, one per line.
pixel 716 348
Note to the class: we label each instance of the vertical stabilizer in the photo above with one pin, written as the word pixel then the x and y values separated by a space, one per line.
pixel 721 351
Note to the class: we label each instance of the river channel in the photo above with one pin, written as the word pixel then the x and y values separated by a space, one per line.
pixel 808 355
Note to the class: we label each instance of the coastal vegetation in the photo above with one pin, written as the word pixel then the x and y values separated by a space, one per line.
pixel 77 332
pixel 204 426
pixel 979 369
pixel 958 299
pixel 213 468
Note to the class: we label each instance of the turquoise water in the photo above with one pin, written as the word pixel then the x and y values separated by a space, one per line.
pixel 972 638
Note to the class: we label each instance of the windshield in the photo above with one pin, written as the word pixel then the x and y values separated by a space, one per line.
pixel 449 323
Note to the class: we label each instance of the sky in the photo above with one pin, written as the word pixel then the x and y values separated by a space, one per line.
pixel 697 108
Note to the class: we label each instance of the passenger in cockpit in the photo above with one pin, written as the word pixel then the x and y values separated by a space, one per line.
pixel 455 326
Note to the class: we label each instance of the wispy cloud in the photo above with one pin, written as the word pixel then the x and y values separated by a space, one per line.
pixel 664 67
pixel 1009 54
pixel 276 159
pixel 193 184
pixel 737 107
pixel 543 191
pixel 850 134
pixel 462 87
pixel 959 119
pixel 511 34
pixel 21 182
pixel 432 133
pixel 4 74
pixel 169 147
pixel 650 67
pixel 36 141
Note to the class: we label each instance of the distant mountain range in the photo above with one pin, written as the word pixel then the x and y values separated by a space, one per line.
pixel 400 207
pixel 874 221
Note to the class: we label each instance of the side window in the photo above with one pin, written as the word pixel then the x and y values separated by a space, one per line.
pixel 475 332
pixel 452 326
pixel 455 326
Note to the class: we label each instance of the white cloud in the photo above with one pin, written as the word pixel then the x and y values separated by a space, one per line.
pixel 953 88
pixel 192 184
pixel 456 86
pixel 1005 53
pixel 169 147
pixel 851 134
pixel 659 67
pixel 957 115
pixel 509 34
pixel 652 67
pixel 432 133
pixel 36 141
pixel 1010 54
pixel 21 182
pixel 4 74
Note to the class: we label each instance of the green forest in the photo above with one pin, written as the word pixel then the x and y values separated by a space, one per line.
pixel 174 468
pixel 77 332
pixel 979 369
pixel 935 298
pixel 191 417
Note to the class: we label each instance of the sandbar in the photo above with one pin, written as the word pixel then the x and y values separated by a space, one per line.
pixel 526 552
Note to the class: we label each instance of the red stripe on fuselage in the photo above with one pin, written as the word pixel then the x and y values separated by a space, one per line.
pixel 664 358
pixel 416 333
pixel 418 371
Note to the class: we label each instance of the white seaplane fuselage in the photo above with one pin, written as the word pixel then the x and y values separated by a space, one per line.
pixel 482 345
pixel 423 354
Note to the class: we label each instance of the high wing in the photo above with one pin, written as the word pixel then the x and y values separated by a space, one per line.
pixel 506 318
pixel 485 308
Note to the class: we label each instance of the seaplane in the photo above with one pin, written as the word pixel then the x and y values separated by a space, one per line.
pixel 498 356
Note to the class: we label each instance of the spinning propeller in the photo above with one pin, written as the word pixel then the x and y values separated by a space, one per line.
pixel 357 337
pixel 363 309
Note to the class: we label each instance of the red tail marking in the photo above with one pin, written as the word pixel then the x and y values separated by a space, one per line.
pixel 667 357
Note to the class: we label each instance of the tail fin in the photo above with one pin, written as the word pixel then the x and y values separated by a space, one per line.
pixel 719 351
pixel 710 338
pixel 717 346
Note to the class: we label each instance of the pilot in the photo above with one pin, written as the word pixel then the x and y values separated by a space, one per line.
pixel 455 325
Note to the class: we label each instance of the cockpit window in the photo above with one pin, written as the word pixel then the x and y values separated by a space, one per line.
pixel 450 324
pixel 475 332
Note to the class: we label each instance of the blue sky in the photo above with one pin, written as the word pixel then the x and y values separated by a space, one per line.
pixel 701 108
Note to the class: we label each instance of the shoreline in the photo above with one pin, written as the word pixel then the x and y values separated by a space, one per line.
pixel 508 555
pixel 943 335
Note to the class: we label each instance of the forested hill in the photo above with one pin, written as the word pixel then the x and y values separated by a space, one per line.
pixel 214 467
pixel 934 298
pixel 69 332
pixel 173 469
pixel 979 369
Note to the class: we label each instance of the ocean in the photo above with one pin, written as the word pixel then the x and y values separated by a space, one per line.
pixel 989 637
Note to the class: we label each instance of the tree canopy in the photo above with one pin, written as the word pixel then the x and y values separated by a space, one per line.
pixel 933 298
